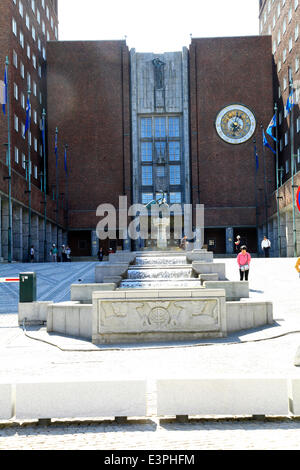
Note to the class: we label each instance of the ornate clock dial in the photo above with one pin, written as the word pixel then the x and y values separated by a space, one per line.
pixel 235 124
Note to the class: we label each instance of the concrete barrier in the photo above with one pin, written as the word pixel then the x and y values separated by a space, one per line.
pixel 200 255
pixel 33 313
pixel 84 292
pixel 210 268
pixel 77 399
pixel 246 315
pixel 71 319
pixel 121 257
pixel 294 396
pixel 6 401
pixel 235 290
pixel 223 396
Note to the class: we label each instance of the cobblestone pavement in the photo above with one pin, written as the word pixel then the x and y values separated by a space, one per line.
pixel 269 351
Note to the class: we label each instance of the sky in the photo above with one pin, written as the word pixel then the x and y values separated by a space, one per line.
pixel 156 25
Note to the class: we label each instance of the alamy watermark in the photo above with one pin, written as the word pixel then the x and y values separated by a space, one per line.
pixel 150 223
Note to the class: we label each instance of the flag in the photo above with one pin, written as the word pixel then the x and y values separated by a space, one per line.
pixel 256 158
pixel 290 102
pixel 5 91
pixel 66 168
pixel 55 149
pixel 27 123
pixel 271 126
pixel 266 144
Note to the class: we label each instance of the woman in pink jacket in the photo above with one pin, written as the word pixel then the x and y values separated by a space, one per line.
pixel 244 259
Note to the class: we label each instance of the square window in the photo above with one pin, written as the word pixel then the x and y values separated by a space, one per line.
pixel 146 151
pixel 174 151
pixel 174 174
pixel 147 175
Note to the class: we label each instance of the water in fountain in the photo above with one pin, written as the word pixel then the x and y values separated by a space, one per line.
pixel 160 271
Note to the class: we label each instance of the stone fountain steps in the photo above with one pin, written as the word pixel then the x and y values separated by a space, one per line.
pixel 160 283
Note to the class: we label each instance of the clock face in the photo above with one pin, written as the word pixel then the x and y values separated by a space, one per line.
pixel 235 124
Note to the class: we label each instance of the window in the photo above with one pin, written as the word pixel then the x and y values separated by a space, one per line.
pixel 44 53
pixel 39 44
pixel 23 130
pixel 35 117
pixel 286 139
pixel 147 197
pixel 146 127
pixel 296 4
pixel 16 123
pixel 23 100
pixel 298 155
pixel 23 161
pixel 160 149
pixel 34 60
pixel 22 39
pixel 15 59
pixel 286 166
pixel 296 32
pixel 146 175
pixel 22 70
pixel 33 5
pixel 298 124
pixel 290 13
pixel 16 155
pixel 174 151
pixel 160 171
pixel 296 64
pixel 278 10
pixel 27 22
pixel 146 151
pixel 48 36
pixel 279 65
pixel 38 16
pixel 43 27
pixel 56 33
pixel 47 12
pixel 21 10
pixel 35 144
pixel 28 51
pixel 174 130
pixel 14 26
pixel 175 198
pixel 284 56
pixel 33 33
pixel 35 171
pixel 160 127
pixel 290 44
pixel 52 23
pixel 43 4
pixel 174 174
pixel 274 46
pixel 284 83
pixel 16 91
pixel 278 37
pixel 284 26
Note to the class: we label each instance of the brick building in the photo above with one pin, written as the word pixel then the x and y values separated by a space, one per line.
pixel 280 19
pixel 186 124
pixel 25 28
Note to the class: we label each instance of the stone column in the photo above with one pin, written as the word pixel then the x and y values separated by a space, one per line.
pixel 35 235
pixel 229 240
pixel 41 239
pixel 49 240
pixel 283 239
pixel 18 233
pixel 271 237
pixel 4 231
pixel 94 243
pixel 25 226
pixel 275 247
pixel 289 234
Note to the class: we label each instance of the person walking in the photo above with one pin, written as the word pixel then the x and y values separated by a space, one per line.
pixel 237 244
pixel 100 254
pixel 32 254
pixel 265 246
pixel 184 243
pixel 68 253
pixel 53 253
pixel 244 260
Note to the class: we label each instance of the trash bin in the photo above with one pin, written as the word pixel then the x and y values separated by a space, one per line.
pixel 27 287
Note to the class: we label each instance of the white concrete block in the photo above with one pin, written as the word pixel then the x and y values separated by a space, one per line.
pixel 84 292
pixel 70 318
pixel 246 315
pixel 6 401
pixel 235 290
pixel 294 394
pixel 60 399
pixel 105 270
pixel 209 268
pixel 33 312
pixel 222 396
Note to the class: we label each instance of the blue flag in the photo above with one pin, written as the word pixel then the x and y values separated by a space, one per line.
pixel 5 91
pixel 27 123
pixel 266 144
pixel 290 102
pixel 55 149
pixel 66 168
pixel 271 126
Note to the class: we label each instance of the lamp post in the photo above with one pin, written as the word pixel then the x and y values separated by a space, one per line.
pixel 292 170
pixel 29 177
pixel 45 184
pixel 9 254
pixel 67 192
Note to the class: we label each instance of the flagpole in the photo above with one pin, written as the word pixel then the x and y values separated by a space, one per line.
pixel 9 254
pixel 29 176
pixel 255 188
pixel 265 185
pixel 45 184
pixel 277 182
pixel 292 167
pixel 67 193
pixel 57 189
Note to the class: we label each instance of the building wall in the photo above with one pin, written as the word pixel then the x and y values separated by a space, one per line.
pixel 224 71
pixel 88 102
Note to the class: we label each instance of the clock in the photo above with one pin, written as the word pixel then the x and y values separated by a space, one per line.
pixel 235 124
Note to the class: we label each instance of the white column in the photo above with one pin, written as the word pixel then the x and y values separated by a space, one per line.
pixel 17 233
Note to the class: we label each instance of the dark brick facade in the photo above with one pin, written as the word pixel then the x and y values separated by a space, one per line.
pixel 224 71
pixel 88 101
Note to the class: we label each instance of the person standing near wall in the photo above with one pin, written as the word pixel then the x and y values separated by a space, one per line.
pixel 266 245
pixel 244 260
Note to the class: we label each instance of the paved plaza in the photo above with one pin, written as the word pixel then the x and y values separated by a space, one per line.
pixel 266 352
